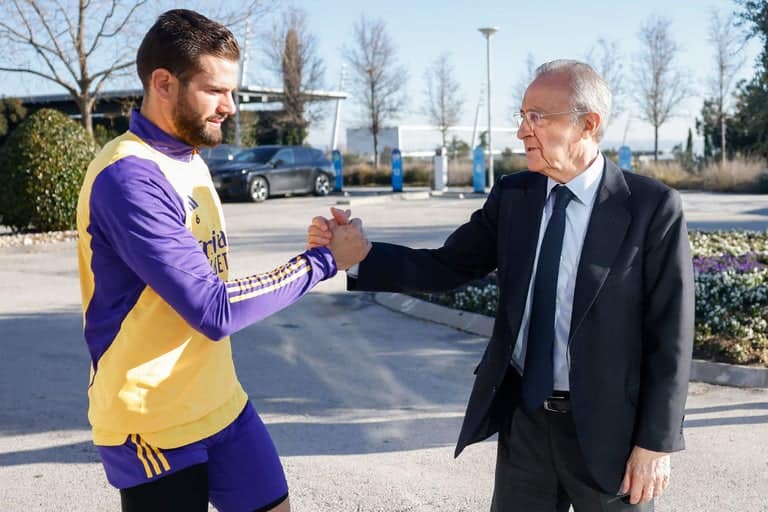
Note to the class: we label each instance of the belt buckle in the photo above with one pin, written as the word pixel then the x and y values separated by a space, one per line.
pixel 548 406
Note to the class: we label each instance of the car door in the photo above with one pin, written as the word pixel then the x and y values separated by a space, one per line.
pixel 303 169
pixel 281 177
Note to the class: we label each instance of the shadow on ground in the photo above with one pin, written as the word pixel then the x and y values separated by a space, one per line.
pixel 320 373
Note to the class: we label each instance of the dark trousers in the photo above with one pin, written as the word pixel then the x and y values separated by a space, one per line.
pixel 540 468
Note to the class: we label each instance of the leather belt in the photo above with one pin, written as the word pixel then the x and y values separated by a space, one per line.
pixel 559 402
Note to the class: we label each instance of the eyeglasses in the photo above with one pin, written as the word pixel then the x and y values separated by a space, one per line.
pixel 534 118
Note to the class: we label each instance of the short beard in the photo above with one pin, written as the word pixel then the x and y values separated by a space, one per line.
pixel 191 128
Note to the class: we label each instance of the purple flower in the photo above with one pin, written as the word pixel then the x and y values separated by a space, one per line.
pixel 740 264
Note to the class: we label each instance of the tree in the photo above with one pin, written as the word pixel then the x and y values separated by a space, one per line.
pixel 605 58
pixel 727 43
pixel 708 126
pixel 45 159
pixel 291 53
pixel 61 43
pixel 688 159
pixel 685 156
pixel 522 83
pixel 377 79
pixel 484 139
pixel 12 113
pixel 47 40
pixel 659 87
pixel 444 103
pixel 457 148
pixel 750 121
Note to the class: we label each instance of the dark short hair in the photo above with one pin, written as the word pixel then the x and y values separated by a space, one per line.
pixel 176 42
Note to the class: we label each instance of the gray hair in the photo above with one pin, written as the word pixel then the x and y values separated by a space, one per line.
pixel 588 89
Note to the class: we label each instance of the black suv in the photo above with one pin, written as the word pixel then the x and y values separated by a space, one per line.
pixel 263 171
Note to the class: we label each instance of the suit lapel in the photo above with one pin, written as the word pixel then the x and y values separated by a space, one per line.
pixel 607 226
pixel 523 219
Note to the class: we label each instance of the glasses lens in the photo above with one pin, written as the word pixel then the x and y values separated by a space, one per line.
pixel 534 118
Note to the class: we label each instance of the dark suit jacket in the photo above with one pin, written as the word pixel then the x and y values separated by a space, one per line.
pixel 631 331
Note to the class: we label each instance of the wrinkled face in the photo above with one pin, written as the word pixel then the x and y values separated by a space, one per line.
pixel 205 101
pixel 555 147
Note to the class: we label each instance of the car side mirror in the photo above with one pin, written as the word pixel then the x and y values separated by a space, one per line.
pixel 278 162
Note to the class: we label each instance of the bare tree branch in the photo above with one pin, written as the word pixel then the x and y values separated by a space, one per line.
pixel 29 39
pixel 54 39
pixel 290 52
pixel 70 25
pixel 101 78
pixel 106 73
pixel 727 43
pixel 236 19
pixel 443 106
pixel 377 78
pixel 102 34
pixel 605 58
pixel 659 86
pixel 522 83
pixel 57 81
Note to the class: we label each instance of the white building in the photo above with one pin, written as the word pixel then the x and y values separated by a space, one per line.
pixel 360 140
pixel 421 141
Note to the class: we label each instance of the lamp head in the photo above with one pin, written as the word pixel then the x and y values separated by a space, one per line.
pixel 488 31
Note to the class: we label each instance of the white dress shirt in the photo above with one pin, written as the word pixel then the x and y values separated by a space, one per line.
pixel 584 188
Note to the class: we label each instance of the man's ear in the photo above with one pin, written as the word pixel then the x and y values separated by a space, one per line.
pixel 163 84
pixel 592 122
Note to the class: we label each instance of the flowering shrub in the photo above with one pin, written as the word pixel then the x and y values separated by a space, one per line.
pixel 716 243
pixel 477 298
pixel 731 271
pixel 731 279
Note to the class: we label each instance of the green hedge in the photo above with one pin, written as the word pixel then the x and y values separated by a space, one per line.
pixel 42 164
pixel 362 174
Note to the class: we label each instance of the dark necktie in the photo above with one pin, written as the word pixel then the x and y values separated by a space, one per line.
pixel 538 374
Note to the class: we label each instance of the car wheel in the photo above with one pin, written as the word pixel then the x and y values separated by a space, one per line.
pixel 322 185
pixel 258 190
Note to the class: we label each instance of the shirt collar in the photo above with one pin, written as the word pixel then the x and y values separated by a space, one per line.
pixel 584 186
pixel 160 140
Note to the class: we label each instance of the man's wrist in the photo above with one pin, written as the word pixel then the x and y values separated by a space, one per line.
pixel 354 271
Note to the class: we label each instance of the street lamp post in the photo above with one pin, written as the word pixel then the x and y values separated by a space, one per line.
pixel 488 32
pixel 337 117
pixel 240 82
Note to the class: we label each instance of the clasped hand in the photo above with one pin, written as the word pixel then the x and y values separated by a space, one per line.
pixel 343 236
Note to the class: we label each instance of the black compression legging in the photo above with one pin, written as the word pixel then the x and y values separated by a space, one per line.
pixel 185 490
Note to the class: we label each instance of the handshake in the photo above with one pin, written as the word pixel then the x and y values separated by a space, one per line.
pixel 343 236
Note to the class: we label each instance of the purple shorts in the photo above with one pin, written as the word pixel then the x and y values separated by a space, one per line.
pixel 244 470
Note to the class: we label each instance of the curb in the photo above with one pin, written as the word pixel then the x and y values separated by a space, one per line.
pixel 729 374
pixel 701 371
pixel 382 196
pixel 472 323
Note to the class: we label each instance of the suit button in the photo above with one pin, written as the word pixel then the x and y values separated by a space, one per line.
pixel 493 389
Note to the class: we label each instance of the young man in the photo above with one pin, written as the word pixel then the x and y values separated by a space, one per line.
pixel 173 426
pixel 586 373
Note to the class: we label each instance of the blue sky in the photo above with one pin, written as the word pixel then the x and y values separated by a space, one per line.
pixel 423 29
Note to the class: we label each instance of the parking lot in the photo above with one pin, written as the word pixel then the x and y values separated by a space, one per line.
pixel 364 404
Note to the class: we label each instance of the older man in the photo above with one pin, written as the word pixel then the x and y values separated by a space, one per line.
pixel 585 376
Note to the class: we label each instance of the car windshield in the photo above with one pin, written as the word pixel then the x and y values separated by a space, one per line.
pixel 257 156
pixel 222 151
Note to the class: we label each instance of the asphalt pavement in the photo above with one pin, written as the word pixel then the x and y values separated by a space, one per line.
pixel 364 403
